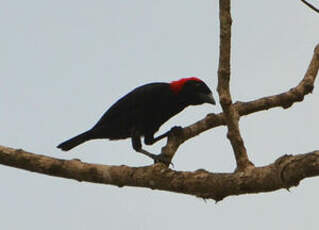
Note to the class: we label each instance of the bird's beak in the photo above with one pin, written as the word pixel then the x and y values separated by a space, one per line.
pixel 208 98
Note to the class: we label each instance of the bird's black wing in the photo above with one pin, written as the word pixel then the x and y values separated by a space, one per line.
pixel 140 109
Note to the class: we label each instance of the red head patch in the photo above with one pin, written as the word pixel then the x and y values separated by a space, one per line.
pixel 176 86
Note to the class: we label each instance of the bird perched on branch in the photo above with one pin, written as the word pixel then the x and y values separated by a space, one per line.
pixel 141 113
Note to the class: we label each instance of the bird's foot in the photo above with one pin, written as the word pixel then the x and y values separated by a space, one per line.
pixel 177 130
pixel 161 158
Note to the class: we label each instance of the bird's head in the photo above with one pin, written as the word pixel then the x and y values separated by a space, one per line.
pixel 193 91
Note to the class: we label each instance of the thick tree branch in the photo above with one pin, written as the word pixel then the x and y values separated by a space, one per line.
pixel 231 114
pixel 285 172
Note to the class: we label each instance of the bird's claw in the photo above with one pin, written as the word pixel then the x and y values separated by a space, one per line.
pixel 177 130
pixel 161 158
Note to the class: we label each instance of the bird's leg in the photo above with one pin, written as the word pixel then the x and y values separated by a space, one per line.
pixel 149 139
pixel 137 146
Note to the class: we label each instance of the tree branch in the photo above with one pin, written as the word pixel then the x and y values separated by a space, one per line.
pixel 310 6
pixel 284 100
pixel 285 172
pixel 231 114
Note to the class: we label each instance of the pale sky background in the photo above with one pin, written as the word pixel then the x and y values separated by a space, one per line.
pixel 63 63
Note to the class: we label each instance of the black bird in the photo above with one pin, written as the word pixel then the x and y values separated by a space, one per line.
pixel 141 113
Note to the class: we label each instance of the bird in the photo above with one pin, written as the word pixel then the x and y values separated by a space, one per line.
pixel 141 112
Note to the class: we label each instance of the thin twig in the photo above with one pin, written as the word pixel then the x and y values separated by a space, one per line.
pixel 310 6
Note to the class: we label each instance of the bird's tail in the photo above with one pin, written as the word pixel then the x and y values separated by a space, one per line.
pixel 75 141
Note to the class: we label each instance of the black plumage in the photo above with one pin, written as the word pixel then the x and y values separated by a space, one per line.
pixel 142 112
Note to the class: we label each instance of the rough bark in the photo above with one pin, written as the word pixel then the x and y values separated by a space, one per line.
pixel 223 88
pixel 285 172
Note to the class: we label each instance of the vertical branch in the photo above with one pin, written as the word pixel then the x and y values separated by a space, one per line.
pixel 231 114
